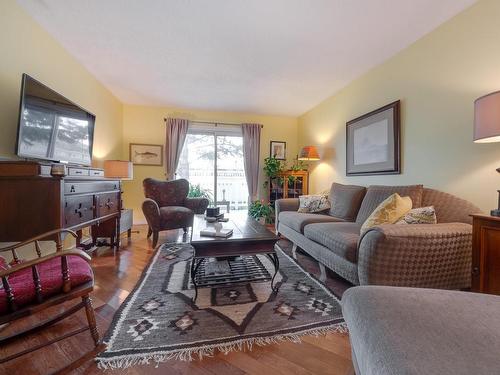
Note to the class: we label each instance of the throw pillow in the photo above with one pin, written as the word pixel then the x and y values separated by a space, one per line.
pixel 376 194
pixel 388 212
pixel 313 203
pixel 345 200
pixel 422 215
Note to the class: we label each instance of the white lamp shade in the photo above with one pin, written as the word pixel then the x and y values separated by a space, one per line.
pixel 121 169
pixel 487 118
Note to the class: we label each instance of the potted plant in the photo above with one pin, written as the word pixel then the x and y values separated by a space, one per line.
pixel 272 168
pixel 196 191
pixel 262 212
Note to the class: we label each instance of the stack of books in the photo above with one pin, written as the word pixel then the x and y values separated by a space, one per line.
pixel 211 232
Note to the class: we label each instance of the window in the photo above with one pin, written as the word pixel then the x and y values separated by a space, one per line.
pixel 212 157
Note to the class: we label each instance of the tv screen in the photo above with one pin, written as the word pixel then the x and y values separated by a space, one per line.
pixel 52 127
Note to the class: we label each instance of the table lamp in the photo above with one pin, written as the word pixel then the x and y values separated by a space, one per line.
pixel 487 125
pixel 308 153
pixel 120 169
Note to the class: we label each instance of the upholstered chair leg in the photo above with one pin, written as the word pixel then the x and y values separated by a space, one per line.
pixel 91 319
pixel 155 238
pixel 185 229
pixel 150 232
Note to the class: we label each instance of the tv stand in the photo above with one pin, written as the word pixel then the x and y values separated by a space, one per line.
pixel 32 201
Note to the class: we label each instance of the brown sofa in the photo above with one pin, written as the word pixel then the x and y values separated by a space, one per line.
pixel 420 255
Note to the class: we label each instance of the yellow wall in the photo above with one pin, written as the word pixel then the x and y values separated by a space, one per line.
pixel 146 125
pixel 27 48
pixel 437 79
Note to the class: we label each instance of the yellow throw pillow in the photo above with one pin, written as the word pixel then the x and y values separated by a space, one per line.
pixel 389 211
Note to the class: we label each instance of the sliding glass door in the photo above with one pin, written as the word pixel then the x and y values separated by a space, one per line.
pixel 212 158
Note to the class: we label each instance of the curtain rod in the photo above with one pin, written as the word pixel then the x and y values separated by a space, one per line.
pixel 216 122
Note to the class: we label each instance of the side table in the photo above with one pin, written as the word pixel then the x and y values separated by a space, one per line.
pixel 486 254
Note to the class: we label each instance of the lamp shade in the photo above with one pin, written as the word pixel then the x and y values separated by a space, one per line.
pixel 308 153
pixel 121 169
pixel 487 118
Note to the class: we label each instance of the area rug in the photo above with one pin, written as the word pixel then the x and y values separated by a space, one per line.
pixel 159 321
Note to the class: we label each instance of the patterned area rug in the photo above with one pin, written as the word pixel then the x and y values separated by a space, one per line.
pixel 158 321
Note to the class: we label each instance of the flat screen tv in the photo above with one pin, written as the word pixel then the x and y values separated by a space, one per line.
pixel 52 127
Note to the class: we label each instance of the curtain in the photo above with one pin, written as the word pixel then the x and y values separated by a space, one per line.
pixel 176 135
pixel 251 151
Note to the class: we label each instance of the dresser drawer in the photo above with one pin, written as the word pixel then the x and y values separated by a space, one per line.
pixel 90 187
pixel 107 203
pixel 96 173
pixel 78 209
pixel 72 171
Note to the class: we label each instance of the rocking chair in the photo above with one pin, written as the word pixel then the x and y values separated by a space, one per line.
pixel 34 285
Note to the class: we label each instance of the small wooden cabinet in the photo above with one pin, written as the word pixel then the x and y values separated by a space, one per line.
pixel 289 184
pixel 486 254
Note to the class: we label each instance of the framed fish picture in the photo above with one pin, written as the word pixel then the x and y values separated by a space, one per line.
pixel 144 154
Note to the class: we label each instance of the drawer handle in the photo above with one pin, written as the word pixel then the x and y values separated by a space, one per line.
pixel 109 204
pixel 78 172
pixel 475 271
pixel 72 190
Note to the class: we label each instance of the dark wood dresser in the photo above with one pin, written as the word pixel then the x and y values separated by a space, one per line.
pixel 33 202
pixel 486 254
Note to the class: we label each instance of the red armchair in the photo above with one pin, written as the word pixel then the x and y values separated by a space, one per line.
pixel 167 206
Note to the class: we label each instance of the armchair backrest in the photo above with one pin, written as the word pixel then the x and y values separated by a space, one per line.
pixel 166 193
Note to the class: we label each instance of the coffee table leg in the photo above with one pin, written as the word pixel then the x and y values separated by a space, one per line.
pixel 276 263
pixel 194 268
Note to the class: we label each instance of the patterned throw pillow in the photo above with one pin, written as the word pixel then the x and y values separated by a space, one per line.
pixel 313 203
pixel 388 212
pixel 422 215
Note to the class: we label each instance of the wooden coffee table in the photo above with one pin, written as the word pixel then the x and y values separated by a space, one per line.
pixel 249 238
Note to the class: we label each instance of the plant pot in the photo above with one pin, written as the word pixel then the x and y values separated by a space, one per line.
pixel 262 220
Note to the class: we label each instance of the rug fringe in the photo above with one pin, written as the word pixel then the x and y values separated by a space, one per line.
pixel 191 354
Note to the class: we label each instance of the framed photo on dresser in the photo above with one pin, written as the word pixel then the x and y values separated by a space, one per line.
pixel 373 142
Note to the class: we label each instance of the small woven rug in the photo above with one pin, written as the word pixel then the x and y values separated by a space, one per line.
pixel 159 321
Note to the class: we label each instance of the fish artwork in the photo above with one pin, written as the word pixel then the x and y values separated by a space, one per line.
pixel 147 154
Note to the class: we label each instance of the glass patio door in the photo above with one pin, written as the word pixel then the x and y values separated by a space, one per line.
pixel 212 158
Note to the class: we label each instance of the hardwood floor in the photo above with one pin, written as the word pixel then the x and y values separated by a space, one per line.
pixel 115 277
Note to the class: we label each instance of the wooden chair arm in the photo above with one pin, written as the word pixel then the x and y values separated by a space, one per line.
pixel 37 238
pixel 20 266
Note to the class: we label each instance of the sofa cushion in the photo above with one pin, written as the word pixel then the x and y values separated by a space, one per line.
pixel 376 194
pixel 341 238
pixel 176 217
pixel 297 220
pixel 388 212
pixel 345 200
pixel 313 203
pixel 423 331
pixel 50 272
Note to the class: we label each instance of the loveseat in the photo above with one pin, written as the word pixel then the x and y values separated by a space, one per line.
pixel 417 255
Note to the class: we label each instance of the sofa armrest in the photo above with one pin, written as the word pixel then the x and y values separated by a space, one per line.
pixel 420 255
pixel 286 204
pixel 197 205
pixel 151 211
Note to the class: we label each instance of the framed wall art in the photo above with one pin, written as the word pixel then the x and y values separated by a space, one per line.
pixel 145 154
pixel 373 142
pixel 278 150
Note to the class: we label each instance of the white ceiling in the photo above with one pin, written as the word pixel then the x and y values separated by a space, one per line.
pixel 262 56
